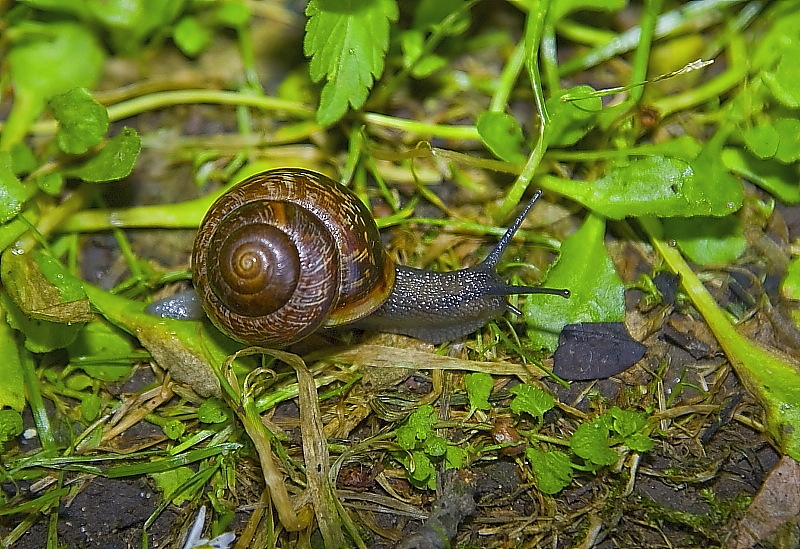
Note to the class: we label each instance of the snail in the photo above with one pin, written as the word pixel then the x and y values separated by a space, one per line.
pixel 289 251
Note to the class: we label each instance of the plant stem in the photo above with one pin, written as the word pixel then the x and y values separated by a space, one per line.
pixel 160 100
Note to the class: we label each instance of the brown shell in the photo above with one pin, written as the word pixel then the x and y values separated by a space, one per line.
pixel 285 252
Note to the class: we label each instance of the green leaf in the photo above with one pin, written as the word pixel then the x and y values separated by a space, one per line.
pixel 627 422
pixel 552 471
pixel 784 83
pixel 532 400
pixel 435 446
pixel 455 457
pixel 560 8
pixel 778 179
pixel 571 119
pixel 762 140
pixel 12 390
pixel 114 161
pixel 82 121
pixel 191 36
pixel 502 135
pixel 43 288
pixel 51 183
pixel 154 16
pixel 78 382
pixel 790 287
pixel 10 425
pixel 54 58
pixel 422 473
pixel 74 7
pixel 708 240
pixel 234 14
pixel 13 193
pixel 102 351
pixel 116 13
pixel 170 481
pixel 214 410
pixel 40 336
pixel 597 294
pixel 430 14
pixel 43 300
pixel 347 43
pixel 91 405
pixel 174 429
pixel 591 442
pixel 23 160
pixel 780 37
pixel 183 347
pixel 771 376
pixel 639 442
pixel 479 386
pixel 418 426
pixel 659 185
pixel 788 129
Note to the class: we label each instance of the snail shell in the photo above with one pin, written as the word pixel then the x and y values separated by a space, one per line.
pixel 289 251
pixel 286 252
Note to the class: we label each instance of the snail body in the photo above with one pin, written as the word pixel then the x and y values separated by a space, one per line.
pixel 289 251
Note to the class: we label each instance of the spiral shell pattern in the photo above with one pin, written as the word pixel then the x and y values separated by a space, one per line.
pixel 286 252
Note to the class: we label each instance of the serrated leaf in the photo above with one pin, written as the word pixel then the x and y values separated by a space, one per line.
pixel 213 410
pixel 532 400
pixel 114 161
pixel 597 294
pixel 347 43
pixel 82 121
pixel 708 240
pixel 423 474
pixel 627 422
pixel 502 135
pixel 639 442
pixel 591 442
pixel 552 471
pixel 479 387
pixel 418 426
pixel 170 481
pixel 174 429
pixel 455 457
pixel 435 446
